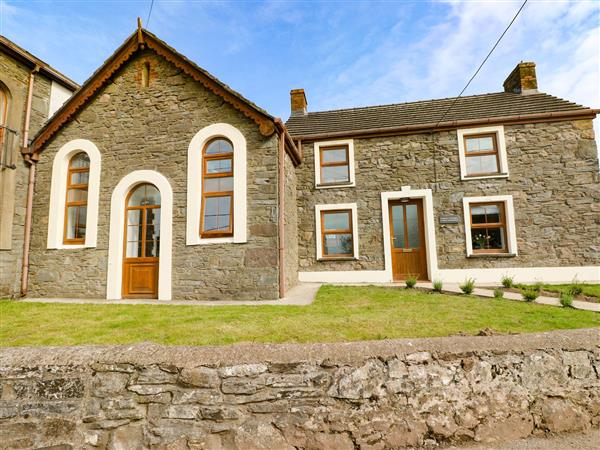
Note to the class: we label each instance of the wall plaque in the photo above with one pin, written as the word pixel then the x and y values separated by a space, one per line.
pixel 446 219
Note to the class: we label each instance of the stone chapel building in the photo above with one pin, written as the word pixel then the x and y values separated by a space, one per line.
pixel 156 180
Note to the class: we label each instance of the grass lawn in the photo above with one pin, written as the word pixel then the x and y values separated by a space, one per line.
pixel 338 314
pixel 590 290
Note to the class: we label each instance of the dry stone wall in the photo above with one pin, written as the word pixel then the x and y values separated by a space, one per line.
pixel 554 182
pixel 364 395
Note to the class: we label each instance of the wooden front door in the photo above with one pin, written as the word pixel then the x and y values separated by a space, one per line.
pixel 142 242
pixel 407 237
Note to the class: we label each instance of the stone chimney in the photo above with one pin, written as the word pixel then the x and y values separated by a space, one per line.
pixel 298 102
pixel 522 79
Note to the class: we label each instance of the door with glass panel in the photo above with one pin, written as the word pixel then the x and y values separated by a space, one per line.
pixel 142 242
pixel 407 237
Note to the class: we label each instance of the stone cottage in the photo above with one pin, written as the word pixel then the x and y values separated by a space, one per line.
pixel 30 93
pixel 156 180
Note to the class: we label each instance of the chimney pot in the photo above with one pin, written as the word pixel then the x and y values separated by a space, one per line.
pixel 522 80
pixel 298 102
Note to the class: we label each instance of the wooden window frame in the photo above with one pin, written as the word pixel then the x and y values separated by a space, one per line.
pixel 502 224
pixel 325 232
pixel 71 170
pixel 144 224
pixel 495 152
pixel 206 175
pixel 334 164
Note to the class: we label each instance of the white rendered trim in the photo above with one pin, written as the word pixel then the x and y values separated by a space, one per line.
pixel 431 250
pixel 336 207
pixel 499 131
pixel 317 158
pixel 511 235
pixel 587 274
pixel 117 230
pixel 194 184
pixel 58 194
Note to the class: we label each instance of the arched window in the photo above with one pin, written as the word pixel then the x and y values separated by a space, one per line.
pixel 77 196
pixel 216 218
pixel 5 147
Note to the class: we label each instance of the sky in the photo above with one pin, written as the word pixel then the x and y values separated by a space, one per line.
pixel 344 54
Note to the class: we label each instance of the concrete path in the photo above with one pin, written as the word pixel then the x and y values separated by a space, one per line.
pixel 589 440
pixel 488 291
pixel 301 294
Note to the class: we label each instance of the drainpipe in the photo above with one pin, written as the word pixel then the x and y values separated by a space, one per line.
pixel 30 185
pixel 281 213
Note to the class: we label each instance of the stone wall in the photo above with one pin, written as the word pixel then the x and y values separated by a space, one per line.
pixel 362 395
pixel 13 183
pixel 290 225
pixel 553 179
pixel 150 128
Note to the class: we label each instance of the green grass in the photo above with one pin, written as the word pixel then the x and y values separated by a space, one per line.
pixel 590 290
pixel 338 314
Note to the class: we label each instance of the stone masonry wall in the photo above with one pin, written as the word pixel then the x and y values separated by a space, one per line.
pixel 553 179
pixel 13 183
pixel 150 128
pixel 363 395
pixel 290 225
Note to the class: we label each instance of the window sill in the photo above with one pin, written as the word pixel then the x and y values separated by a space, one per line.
pixel 492 255
pixel 483 177
pixel 335 185
pixel 349 258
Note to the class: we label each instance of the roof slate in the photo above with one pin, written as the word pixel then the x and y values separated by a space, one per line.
pixel 485 106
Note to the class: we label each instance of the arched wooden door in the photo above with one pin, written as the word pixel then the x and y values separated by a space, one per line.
pixel 142 242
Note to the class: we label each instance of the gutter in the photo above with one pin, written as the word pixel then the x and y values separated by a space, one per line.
pixel 30 185
pixel 425 127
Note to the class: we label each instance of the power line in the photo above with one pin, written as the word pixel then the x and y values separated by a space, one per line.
pixel 149 14
pixel 484 61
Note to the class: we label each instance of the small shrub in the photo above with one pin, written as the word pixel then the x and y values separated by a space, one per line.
pixel 537 287
pixel 410 282
pixel 507 282
pixel 498 293
pixel 437 285
pixel 575 289
pixel 566 300
pixel 468 286
pixel 529 295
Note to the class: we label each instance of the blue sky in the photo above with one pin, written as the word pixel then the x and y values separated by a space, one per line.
pixel 344 54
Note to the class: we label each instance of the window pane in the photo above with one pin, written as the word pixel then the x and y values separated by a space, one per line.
pixel 152 195
pixel 336 221
pixel 335 174
pixel 218 165
pixel 216 213
pixel 134 217
pixel 134 249
pixel 145 194
pixel 482 164
pixel 77 195
pixel 398 225
pixel 412 223
pixel 222 184
pixel 334 155
pixel 152 232
pixel 81 221
pixel 338 244
pixel 480 144
pixel 219 146
pixel 485 214
pixel 488 239
pixel 80 160
pixel 80 178
pixel 76 218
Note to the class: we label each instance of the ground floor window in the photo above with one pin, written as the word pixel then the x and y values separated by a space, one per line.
pixel 336 231
pixel 489 225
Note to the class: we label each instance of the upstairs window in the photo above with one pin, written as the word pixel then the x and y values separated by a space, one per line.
pixel 482 153
pixel 217 190
pixel 334 164
pixel 77 196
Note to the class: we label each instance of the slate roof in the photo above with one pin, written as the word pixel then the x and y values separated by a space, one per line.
pixel 475 107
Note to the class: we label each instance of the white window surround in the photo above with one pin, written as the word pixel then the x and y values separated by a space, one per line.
pixel 499 131
pixel 318 236
pixel 317 153
pixel 194 184
pixel 58 194
pixel 509 212
pixel 431 249
pixel 114 270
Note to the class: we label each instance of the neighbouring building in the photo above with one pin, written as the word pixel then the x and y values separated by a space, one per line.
pixel 30 93
pixel 156 180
